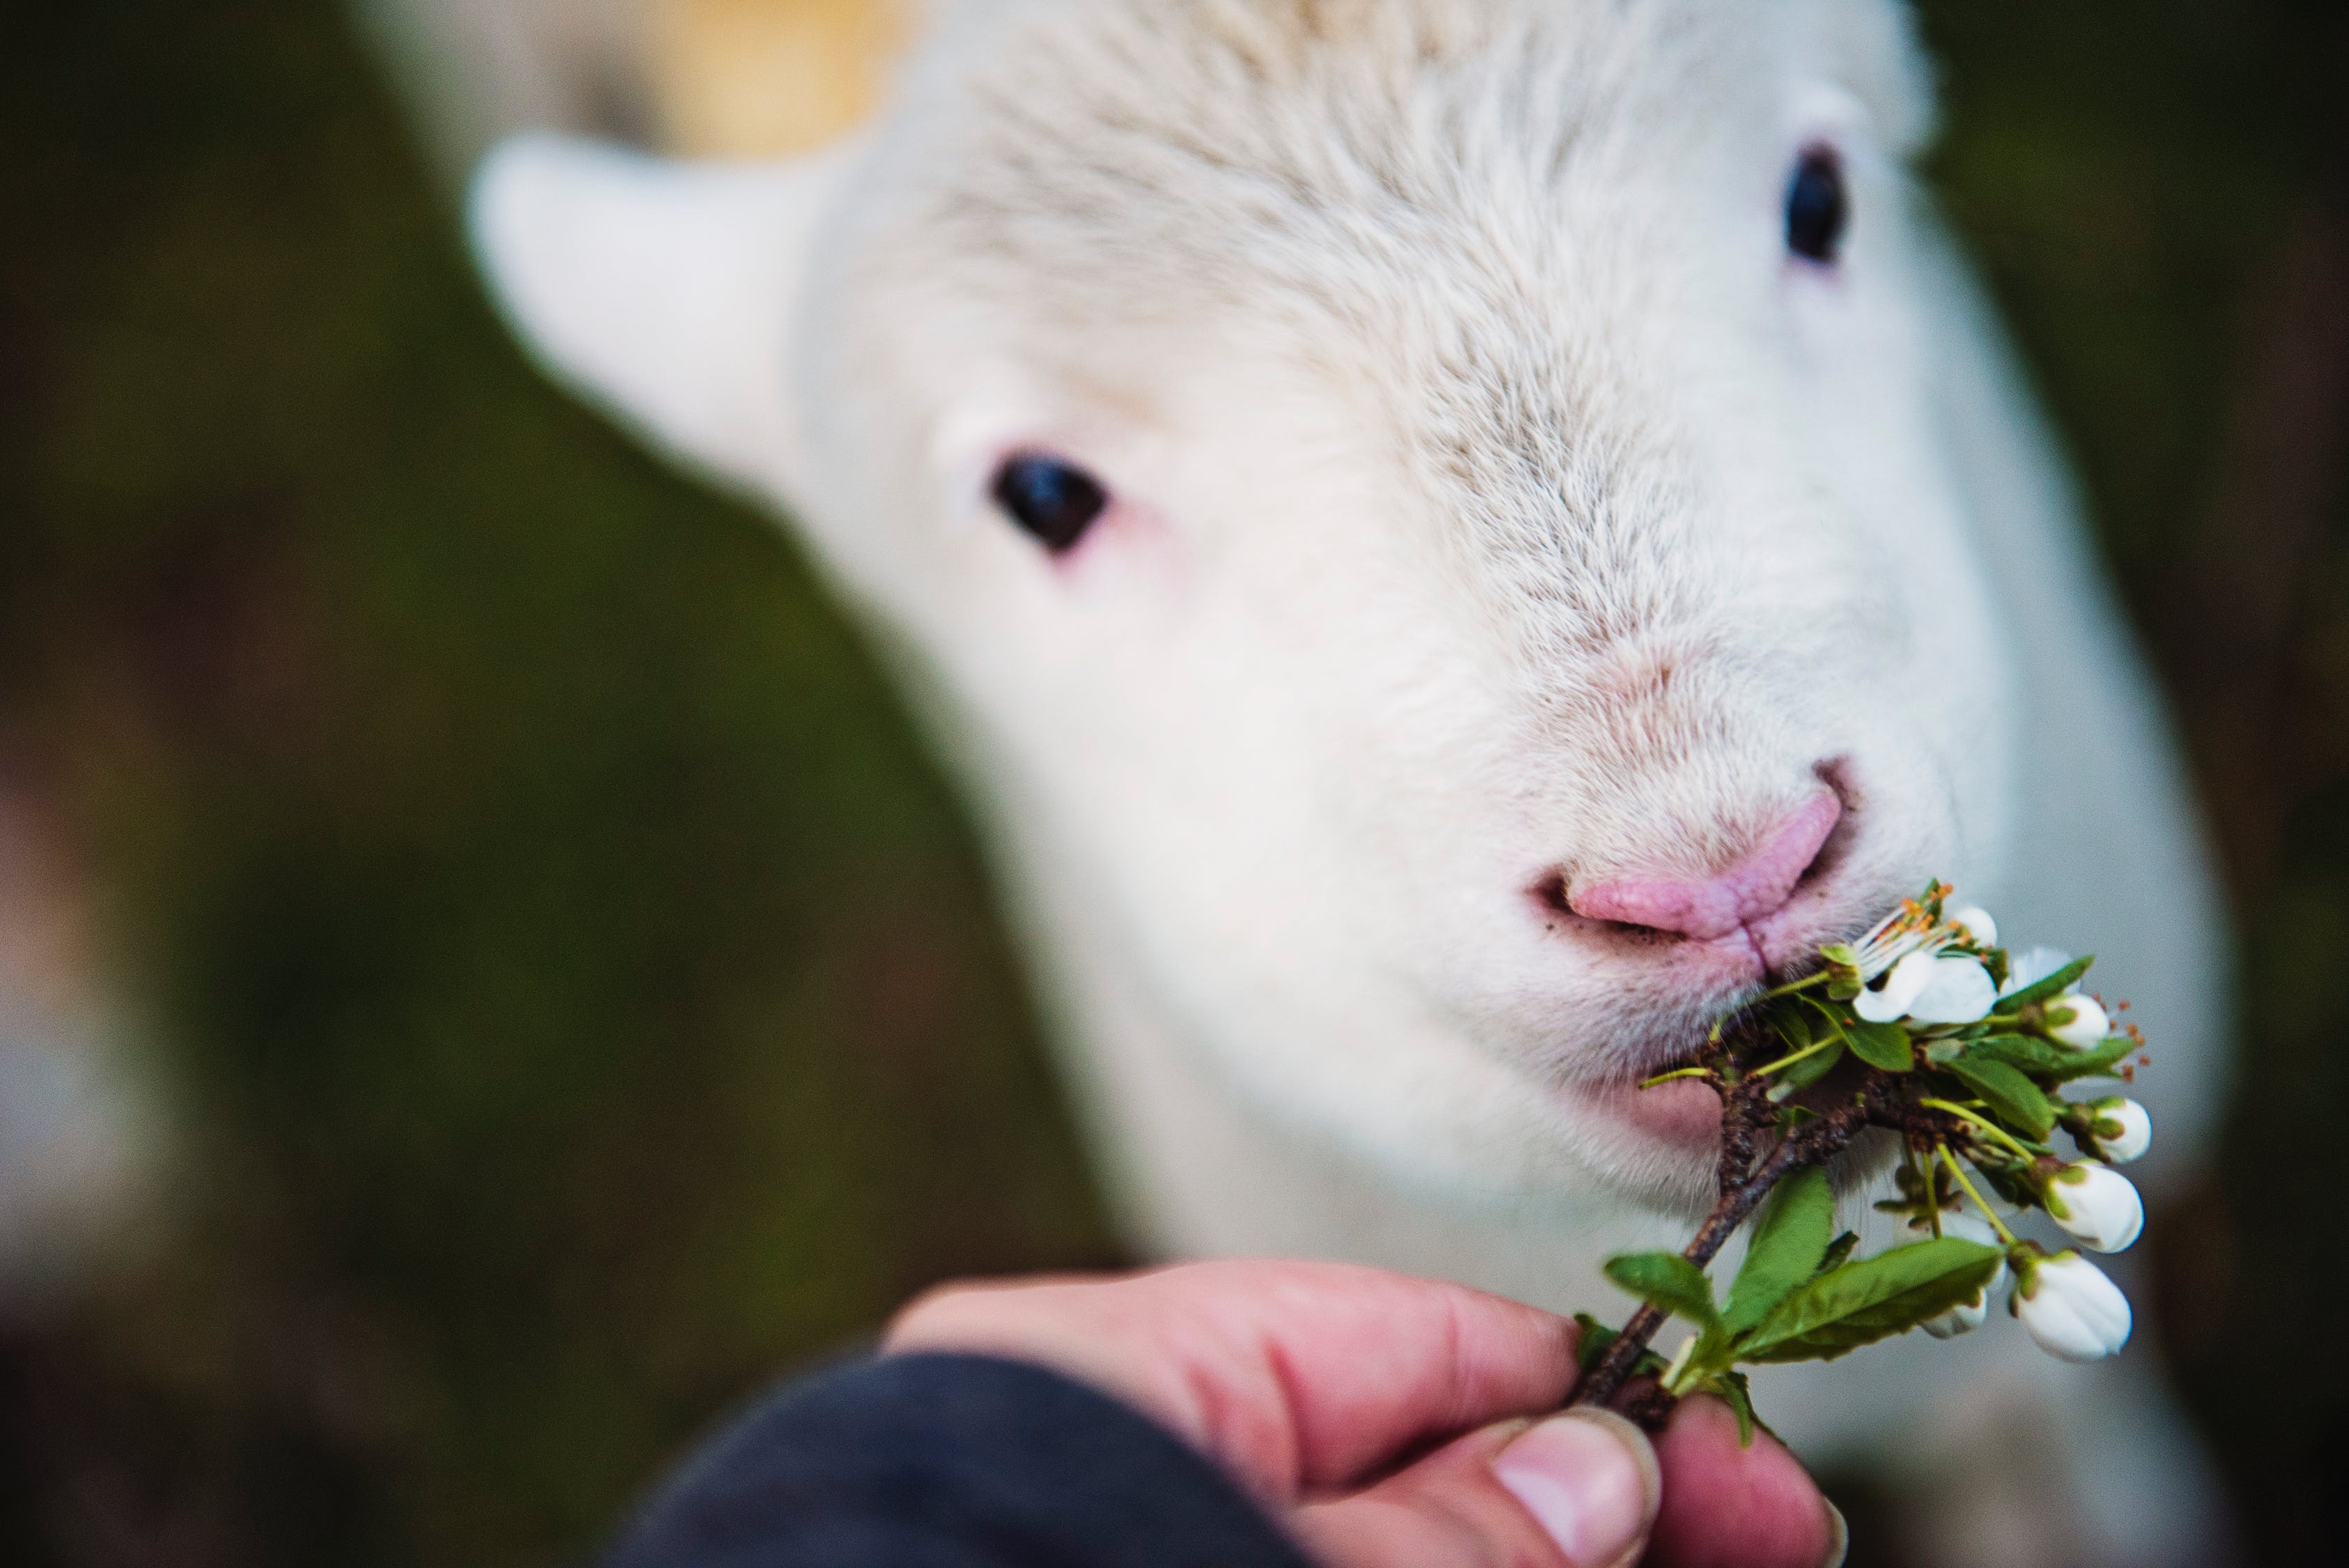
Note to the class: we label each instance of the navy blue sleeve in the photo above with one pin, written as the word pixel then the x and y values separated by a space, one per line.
pixel 950 1461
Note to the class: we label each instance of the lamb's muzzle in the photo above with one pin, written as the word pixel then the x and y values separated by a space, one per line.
pixel 1704 909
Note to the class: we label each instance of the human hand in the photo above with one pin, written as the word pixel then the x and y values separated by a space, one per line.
pixel 1399 1422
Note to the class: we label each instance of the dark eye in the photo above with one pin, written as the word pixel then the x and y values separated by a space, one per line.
pixel 1054 501
pixel 1818 209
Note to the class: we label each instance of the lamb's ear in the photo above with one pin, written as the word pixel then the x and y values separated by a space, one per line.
pixel 666 292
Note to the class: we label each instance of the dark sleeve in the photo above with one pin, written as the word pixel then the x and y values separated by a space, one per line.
pixel 950 1461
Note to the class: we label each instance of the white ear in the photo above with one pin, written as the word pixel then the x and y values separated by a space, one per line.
pixel 665 291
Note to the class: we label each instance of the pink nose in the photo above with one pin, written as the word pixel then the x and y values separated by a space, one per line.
pixel 1720 905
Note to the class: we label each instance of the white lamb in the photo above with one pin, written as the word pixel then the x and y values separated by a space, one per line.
pixel 1447 539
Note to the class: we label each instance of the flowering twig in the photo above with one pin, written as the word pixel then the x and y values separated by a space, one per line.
pixel 1960 1050
pixel 1814 1145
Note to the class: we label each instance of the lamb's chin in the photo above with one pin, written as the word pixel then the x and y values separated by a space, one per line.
pixel 1684 1115
pixel 1661 1146
pixel 1665 1150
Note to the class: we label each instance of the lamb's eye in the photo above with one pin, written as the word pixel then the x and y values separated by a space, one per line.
pixel 1818 208
pixel 1053 500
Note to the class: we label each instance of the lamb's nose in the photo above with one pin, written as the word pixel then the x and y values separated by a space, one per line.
pixel 1716 905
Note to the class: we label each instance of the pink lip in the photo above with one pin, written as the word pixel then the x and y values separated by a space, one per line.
pixel 1683 1113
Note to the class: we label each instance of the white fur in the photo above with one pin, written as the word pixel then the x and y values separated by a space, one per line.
pixel 1494 498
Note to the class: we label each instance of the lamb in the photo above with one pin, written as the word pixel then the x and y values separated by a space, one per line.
pixel 1447 539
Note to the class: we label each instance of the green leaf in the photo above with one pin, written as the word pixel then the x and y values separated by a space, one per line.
pixel 2011 1097
pixel 2021 1051
pixel 1843 971
pixel 1794 1029
pixel 1592 1345
pixel 1873 1299
pixel 1793 1080
pixel 2096 1064
pixel 1882 1045
pixel 1842 1248
pixel 1669 1280
pixel 1596 1339
pixel 1712 1355
pixel 2055 984
pixel 1789 1238
pixel 1730 1388
pixel 2011 1179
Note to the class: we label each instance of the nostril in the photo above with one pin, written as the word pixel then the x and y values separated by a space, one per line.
pixel 1706 907
pixel 1551 891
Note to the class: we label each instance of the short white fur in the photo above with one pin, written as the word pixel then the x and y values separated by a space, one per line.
pixel 1494 497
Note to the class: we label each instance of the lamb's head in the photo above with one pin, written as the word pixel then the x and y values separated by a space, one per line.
pixel 1428 517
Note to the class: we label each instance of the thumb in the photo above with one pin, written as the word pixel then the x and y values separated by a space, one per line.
pixel 1578 1490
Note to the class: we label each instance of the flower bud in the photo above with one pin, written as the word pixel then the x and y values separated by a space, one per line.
pixel 2095 1204
pixel 2119 1128
pixel 1967 1316
pixel 1963 1318
pixel 2070 1309
pixel 1980 929
pixel 2075 1021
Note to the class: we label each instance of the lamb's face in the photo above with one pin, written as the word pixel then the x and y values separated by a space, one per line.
pixel 1433 517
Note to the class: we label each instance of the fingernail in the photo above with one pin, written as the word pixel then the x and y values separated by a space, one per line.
pixel 1590 1480
pixel 1838 1538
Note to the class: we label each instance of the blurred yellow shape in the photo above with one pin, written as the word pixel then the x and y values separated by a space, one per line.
pixel 765 78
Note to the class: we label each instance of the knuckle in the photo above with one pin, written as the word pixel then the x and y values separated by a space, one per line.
pixel 935 1316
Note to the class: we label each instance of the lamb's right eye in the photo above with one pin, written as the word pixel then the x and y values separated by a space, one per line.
pixel 1053 500
pixel 1818 208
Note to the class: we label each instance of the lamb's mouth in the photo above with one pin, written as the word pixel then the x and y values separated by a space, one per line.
pixel 1685 1113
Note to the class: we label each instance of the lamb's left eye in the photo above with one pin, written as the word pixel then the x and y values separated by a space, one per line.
pixel 1818 208
pixel 1053 500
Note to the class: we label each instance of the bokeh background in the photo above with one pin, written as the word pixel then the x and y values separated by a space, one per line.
pixel 547 987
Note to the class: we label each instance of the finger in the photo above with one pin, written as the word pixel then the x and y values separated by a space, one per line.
pixel 1298 1376
pixel 1579 1490
pixel 1728 1506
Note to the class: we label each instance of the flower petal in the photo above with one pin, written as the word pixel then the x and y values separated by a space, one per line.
pixel 2032 965
pixel 2098 1205
pixel 2121 1129
pixel 1902 984
pixel 1980 929
pixel 1960 990
pixel 2078 1021
pixel 2073 1310
pixel 1967 1315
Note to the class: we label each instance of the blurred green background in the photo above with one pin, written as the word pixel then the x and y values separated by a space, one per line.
pixel 576 993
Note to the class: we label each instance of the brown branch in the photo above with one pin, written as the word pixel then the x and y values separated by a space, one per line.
pixel 1741 1118
pixel 1812 1145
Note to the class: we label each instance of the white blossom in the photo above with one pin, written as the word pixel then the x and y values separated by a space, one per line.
pixel 1930 989
pixel 2121 1130
pixel 1963 1318
pixel 2095 1204
pixel 1967 1315
pixel 1908 929
pixel 2029 967
pixel 2078 1021
pixel 1960 991
pixel 1980 929
pixel 2070 1309
pixel 1903 984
